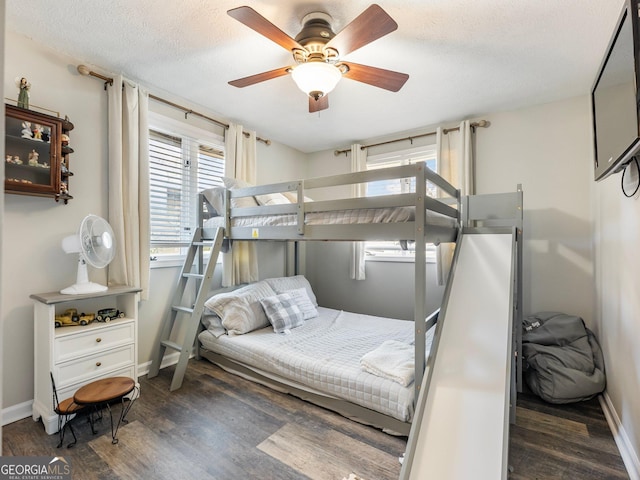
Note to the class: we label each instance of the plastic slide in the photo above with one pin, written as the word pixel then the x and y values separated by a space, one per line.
pixel 461 427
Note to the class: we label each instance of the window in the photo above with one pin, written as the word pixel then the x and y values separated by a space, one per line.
pixel 399 251
pixel 182 162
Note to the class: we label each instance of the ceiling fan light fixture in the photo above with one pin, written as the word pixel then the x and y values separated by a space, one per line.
pixel 316 79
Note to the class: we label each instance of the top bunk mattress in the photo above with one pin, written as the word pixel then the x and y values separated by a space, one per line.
pixel 324 355
pixel 336 217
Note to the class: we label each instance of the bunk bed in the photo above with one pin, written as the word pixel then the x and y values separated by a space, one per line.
pixel 412 216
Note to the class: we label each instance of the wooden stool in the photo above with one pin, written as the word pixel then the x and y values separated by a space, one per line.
pixel 105 391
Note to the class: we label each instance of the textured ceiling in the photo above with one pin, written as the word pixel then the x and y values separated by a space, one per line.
pixel 465 57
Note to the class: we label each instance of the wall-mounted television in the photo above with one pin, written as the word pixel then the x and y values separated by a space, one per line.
pixel 615 97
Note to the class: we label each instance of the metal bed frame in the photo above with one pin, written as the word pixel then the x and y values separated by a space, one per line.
pixel 417 230
pixel 479 212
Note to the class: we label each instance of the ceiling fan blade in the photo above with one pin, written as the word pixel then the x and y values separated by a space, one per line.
pixel 257 22
pixel 316 105
pixel 378 77
pixel 259 77
pixel 370 25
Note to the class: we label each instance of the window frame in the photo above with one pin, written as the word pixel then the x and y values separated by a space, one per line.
pixel 396 158
pixel 195 136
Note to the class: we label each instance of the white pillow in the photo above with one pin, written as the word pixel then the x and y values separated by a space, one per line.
pixel 215 200
pixel 242 202
pixel 240 310
pixel 285 284
pixel 272 199
pixel 293 197
pixel 282 312
pixel 266 199
pixel 302 300
pixel 235 183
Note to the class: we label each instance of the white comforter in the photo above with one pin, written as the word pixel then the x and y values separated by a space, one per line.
pixel 324 355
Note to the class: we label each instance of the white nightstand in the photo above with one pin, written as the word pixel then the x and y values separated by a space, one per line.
pixel 78 355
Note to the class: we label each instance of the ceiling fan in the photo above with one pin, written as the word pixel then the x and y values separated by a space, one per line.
pixel 318 51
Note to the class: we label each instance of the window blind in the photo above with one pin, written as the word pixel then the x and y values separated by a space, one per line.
pixel 179 167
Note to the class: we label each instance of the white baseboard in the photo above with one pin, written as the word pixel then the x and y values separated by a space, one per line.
pixel 17 412
pixel 167 360
pixel 628 454
pixel 24 410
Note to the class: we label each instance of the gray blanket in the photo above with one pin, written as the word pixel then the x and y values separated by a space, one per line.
pixel 563 361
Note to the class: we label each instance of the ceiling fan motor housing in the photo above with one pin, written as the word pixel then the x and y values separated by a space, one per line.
pixel 315 34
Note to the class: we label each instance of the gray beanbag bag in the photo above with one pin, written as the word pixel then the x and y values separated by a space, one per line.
pixel 563 361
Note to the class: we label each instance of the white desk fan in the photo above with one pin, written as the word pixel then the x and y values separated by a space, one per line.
pixel 95 245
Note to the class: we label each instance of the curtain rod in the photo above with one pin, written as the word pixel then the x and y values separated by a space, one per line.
pixel 480 123
pixel 84 70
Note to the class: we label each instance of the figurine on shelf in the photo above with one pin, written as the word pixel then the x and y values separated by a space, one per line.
pixel 37 132
pixel 9 159
pixel 16 160
pixel 23 96
pixel 46 132
pixel 33 158
pixel 26 130
pixel 63 167
pixel 63 188
pixel 66 124
pixel 65 143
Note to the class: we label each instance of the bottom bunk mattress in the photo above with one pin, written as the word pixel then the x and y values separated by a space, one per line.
pixel 324 355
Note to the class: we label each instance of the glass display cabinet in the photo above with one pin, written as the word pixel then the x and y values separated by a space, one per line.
pixel 36 154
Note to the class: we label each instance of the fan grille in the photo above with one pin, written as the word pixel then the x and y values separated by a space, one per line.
pixel 97 241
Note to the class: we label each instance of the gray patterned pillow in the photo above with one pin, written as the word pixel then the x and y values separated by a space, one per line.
pixel 301 299
pixel 286 284
pixel 282 312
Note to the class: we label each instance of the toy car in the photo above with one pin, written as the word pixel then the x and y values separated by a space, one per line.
pixel 108 314
pixel 86 318
pixel 68 317
pixel 71 317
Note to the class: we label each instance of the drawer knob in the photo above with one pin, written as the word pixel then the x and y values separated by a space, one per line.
pixel 98 364
pixel 98 340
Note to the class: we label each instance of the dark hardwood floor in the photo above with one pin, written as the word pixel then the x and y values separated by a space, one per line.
pixel 219 426
pixel 562 442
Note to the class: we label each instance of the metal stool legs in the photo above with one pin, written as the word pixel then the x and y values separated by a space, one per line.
pixel 63 423
pixel 123 413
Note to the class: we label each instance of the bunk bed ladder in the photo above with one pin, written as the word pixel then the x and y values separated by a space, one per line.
pixel 192 312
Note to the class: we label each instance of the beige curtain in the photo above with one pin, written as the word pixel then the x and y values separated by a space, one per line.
pixel 240 264
pixel 129 184
pixel 358 163
pixel 456 165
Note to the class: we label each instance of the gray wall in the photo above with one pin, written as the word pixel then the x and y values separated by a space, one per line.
pixel 388 290
pixel 617 309
pixel 547 149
